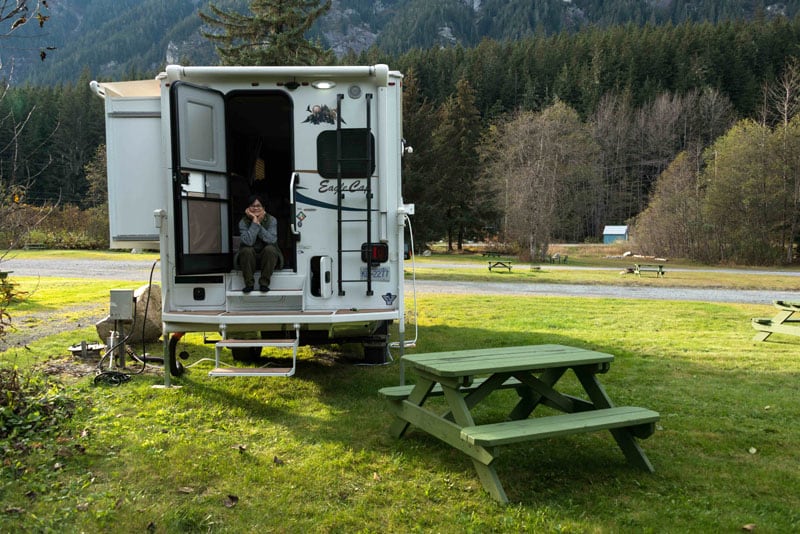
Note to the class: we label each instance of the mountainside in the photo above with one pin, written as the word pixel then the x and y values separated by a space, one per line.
pixel 126 38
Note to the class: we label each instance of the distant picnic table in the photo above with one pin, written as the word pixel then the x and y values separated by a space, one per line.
pixel 500 264
pixel 658 268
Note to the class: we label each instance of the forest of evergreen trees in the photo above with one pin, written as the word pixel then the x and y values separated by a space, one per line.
pixel 641 95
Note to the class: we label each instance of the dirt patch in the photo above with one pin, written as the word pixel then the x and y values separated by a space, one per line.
pixel 27 328
pixel 69 367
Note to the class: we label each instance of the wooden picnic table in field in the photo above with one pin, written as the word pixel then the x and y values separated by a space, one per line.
pixel 500 264
pixel 658 268
pixel 467 377
pixel 784 322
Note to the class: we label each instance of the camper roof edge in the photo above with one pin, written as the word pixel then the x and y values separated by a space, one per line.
pixel 179 72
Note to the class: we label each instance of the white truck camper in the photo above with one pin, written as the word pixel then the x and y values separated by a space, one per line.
pixel 321 145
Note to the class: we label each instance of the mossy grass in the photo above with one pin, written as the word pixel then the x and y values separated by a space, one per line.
pixel 312 452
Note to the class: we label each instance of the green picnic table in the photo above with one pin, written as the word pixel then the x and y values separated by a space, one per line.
pixel 500 264
pixel 784 322
pixel 467 377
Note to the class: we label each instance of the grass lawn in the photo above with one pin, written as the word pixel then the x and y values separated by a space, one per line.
pixel 312 452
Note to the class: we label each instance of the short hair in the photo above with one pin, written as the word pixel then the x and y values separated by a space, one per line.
pixel 253 198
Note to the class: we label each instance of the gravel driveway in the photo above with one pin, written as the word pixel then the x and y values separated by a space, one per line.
pixel 33 326
pixel 75 268
pixel 139 271
pixel 604 291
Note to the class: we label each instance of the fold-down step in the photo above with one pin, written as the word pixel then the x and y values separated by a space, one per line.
pixel 258 371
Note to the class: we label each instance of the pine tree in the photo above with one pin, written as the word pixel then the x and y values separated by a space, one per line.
pixel 273 34
pixel 454 143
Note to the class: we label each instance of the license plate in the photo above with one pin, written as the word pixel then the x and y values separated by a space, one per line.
pixel 379 274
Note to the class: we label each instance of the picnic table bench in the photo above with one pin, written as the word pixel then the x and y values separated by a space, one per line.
pixel 533 372
pixel 782 323
pixel 639 268
pixel 500 264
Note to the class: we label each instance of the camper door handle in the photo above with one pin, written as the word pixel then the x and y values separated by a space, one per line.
pixel 292 185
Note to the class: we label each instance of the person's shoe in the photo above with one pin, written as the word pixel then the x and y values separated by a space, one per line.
pixel 247 289
pixel 263 288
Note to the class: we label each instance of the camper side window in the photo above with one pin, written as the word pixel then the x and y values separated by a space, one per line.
pixel 357 155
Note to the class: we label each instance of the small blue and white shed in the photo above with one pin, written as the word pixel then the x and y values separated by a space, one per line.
pixel 612 234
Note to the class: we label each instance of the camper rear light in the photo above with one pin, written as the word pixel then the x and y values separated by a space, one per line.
pixel 323 84
pixel 373 253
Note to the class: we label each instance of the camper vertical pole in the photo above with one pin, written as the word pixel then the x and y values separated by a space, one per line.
pixel 368 99
pixel 159 220
pixel 339 193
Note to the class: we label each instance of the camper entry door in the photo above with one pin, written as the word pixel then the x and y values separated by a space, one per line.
pixel 199 178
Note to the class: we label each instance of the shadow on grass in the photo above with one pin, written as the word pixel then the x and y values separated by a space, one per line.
pixel 331 399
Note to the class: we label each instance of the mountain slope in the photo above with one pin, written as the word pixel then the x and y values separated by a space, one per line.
pixel 124 38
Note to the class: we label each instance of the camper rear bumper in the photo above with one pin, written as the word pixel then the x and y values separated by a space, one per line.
pixel 202 321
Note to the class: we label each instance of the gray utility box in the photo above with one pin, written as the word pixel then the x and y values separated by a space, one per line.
pixel 122 304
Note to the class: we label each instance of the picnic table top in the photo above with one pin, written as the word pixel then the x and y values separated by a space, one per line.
pixel 787 305
pixel 504 359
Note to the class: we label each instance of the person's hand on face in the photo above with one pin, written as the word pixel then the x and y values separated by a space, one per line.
pixel 256 212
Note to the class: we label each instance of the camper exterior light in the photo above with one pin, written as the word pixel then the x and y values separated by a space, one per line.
pixel 323 84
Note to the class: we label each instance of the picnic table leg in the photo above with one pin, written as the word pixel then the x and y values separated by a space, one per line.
pixel 529 400
pixel 417 396
pixel 463 417
pixel 779 318
pixel 761 336
pixel 624 438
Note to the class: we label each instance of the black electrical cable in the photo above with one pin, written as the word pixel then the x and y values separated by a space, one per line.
pixel 118 377
pixel 144 321
pixel 112 378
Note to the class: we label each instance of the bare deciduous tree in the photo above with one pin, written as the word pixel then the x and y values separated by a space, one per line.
pixel 547 162
pixel 783 99
pixel 672 224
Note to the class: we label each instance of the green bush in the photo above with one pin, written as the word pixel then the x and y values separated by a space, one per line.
pixel 63 227
pixel 30 405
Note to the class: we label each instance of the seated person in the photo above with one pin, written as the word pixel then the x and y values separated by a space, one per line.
pixel 258 233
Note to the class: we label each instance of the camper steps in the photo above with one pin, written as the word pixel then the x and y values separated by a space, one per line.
pixel 258 371
pixel 255 293
pixel 286 293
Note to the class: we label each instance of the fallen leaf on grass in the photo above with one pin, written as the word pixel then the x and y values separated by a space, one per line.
pixel 14 510
pixel 376 477
pixel 230 501
pixel 750 527
pixel 185 489
pixel 83 506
